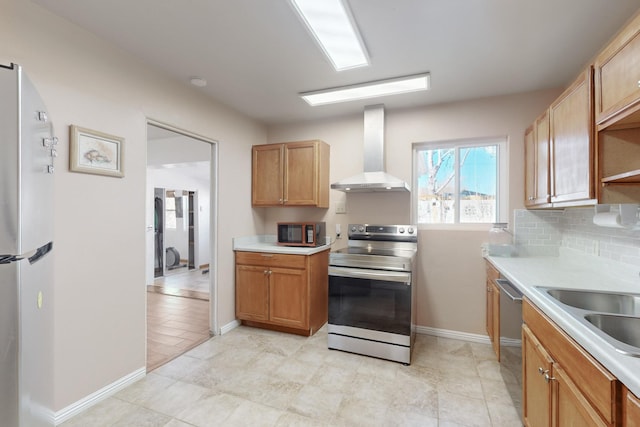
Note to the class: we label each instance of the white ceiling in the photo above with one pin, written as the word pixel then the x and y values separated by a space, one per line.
pixel 257 56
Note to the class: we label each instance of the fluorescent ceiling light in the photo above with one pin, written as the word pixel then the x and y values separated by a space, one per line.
pixel 333 27
pixel 395 86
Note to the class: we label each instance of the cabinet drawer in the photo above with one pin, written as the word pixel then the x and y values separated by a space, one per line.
pixel 594 381
pixel 492 273
pixel 271 259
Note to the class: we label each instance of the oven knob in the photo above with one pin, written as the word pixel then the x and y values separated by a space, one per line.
pixel 361 229
pixel 410 230
pixel 353 229
pixel 401 230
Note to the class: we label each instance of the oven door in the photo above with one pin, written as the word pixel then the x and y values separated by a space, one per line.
pixel 370 304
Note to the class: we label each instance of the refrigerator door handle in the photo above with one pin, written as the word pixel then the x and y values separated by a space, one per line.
pixel 32 256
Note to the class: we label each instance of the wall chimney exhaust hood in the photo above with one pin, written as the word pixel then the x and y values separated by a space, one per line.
pixel 374 177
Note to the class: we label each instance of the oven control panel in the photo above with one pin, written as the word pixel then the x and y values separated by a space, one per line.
pixel 404 233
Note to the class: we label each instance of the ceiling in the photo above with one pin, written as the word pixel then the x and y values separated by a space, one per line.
pixel 257 56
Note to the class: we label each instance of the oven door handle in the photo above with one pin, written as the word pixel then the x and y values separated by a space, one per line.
pixel 362 273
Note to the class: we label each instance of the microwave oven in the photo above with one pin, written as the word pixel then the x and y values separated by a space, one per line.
pixel 301 233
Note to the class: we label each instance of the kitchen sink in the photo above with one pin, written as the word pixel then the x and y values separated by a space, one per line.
pixel 613 316
pixel 605 302
pixel 625 329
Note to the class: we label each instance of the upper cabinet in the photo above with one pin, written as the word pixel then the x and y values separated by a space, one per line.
pixel 617 78
pixel 572 147
pixel 537 162
pixel 291 174
pixel 617 113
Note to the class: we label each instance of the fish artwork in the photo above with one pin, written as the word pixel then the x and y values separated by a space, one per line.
pixel 94 156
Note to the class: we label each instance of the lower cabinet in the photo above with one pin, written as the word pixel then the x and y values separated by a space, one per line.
pixel 282 291
pixel 562 384
pixel 493 308
pixel 536 391
pixel 630 410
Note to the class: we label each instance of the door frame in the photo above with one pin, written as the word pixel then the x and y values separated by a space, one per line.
pixel 213 217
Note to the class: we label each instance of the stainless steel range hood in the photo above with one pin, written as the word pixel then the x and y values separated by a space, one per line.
pixel 374 177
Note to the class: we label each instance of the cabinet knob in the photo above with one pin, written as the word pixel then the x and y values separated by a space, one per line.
pixel 638 83
pixel 548 378
pixel 541 371
pixel 265 272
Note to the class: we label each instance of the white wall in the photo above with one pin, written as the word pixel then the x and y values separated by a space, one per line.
pixel 100 221
pixel 451 289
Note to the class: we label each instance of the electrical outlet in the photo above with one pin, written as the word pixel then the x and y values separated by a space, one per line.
pixel 341 208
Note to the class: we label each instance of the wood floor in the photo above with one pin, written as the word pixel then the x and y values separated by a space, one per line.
pixel 174 325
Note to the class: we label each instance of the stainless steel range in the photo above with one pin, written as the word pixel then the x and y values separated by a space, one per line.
pixel 372 292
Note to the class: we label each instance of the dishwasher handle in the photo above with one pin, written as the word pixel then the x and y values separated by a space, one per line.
pixel 514 294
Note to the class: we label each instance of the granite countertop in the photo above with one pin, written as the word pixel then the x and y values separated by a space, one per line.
pixel 576 270
pixel 269 243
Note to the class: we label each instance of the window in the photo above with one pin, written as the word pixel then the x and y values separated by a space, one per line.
pixel 460 182
pixel 174 209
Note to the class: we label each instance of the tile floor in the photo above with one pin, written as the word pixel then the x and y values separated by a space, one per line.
pixel 174 325
pixel 253 377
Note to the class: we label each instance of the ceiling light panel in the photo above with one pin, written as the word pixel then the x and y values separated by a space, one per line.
pixel 332 26
pixel 368 90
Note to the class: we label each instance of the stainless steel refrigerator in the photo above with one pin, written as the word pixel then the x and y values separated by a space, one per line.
pixel 27 149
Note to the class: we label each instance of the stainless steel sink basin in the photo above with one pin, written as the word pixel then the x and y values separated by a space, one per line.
pixel 605 302
pixel 613 316
pixel 624 329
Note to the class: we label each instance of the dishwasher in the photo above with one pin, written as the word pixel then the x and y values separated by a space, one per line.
pixel 511 340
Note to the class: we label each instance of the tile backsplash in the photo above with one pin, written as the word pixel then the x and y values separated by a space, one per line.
pixel 543 232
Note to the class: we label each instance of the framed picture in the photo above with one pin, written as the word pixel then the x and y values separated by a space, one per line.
pixel 96 152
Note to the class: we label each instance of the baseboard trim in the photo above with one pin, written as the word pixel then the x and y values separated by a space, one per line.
pixel 229 326
pixel 465 336
pixel 98 396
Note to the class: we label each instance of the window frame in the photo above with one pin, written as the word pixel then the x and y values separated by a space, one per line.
pixel 502 179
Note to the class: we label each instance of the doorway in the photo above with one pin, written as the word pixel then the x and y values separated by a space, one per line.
pixel 180 262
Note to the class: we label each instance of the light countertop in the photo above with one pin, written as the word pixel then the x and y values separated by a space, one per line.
pixel 269 243
pixel 577 270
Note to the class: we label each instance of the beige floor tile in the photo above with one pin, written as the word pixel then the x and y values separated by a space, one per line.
pixel 358 412
pixel 290 419
pixel 252 376
pixel 315 402
pixel 463 410
pixel 210 411
pixel 145 389
pixel 175 398
pixel 142 417
pixel 104 414
pixel 253 414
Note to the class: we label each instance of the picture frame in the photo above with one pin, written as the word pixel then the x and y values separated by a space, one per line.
pixel 95 152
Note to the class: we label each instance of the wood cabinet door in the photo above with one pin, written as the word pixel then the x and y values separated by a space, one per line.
pixel 529 166
pixel 252 292
pixel 541 195
pixel 536 391
pixel 572 147
pixel 288 297
pixel 630 410
pixel 301 173
pixel 489 310
pixel 495 323
pixel 617 73
pixel 571 408
pixel 267 174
